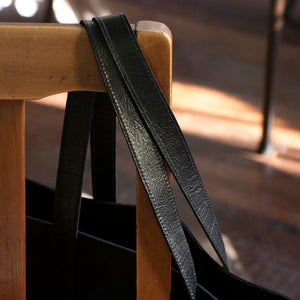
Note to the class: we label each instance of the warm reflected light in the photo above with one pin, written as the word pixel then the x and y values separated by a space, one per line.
pixel 98 12
pixel 58 101
pixel 233 258
pixel 235 264
pixel 64 12
pixel 5 3
pixel 215 114
pixel 205 100
pixel 27 8
pixel 219 116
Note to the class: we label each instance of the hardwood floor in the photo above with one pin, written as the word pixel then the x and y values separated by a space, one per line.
pixel 218 75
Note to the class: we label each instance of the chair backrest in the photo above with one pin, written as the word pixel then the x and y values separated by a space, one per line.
pixel 39 60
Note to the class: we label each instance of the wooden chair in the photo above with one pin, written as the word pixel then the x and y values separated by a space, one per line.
pixel 45 59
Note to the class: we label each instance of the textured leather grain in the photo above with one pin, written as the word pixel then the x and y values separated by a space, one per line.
pixel 147 159
pixel 149 108
pixel 160 121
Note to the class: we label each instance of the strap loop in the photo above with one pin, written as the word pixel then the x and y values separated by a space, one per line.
pixel 146 157
pixel 160 122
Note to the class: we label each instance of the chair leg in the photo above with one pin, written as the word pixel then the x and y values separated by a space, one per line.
pixel 153 254
pixel 276 22
pixel 12 200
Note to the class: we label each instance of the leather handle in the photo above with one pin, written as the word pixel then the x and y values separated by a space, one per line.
pixel 146 156
pixel 160 122
pixel 103 149
pixel 74 142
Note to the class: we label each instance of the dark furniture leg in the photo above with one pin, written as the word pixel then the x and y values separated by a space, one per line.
pixel 275 26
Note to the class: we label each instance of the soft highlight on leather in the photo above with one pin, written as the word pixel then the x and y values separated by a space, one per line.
pixel 160 122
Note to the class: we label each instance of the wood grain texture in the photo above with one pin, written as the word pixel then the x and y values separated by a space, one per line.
pixel 12 204
pixel 153 256
pixel 39 60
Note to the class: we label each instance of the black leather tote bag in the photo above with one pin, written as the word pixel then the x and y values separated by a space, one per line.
pixel 81 248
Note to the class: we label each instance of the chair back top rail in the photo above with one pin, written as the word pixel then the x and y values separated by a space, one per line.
pixel 39 60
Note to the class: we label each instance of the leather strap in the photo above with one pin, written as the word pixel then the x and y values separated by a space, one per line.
pixel 148 161
pixel 76 129
pixel 149 164
pixel 160 122
pixel 103 149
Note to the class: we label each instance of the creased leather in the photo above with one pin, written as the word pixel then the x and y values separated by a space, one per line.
pixel 147 159
pixel 149 101
pixel 160 122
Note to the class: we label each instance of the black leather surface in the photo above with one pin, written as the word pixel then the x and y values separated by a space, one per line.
pixel 75 136
pixel 105 260
pixel 160 121
pixel 147 159
pixel 103 149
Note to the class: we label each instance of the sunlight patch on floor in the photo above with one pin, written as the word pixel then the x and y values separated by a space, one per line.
pixel 213 102
pixel 223 117
pixel 215 115
pixel 219 116
pixel 212 113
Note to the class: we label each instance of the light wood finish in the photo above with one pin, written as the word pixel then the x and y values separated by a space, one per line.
pixel 153 256
pixel 40 60
pixel 12 216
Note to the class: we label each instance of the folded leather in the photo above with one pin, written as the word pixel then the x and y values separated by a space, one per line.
pixel 142 94
pixel 159 120
pixel 147 158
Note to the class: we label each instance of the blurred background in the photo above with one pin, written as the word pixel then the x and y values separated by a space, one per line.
pixel 219 57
